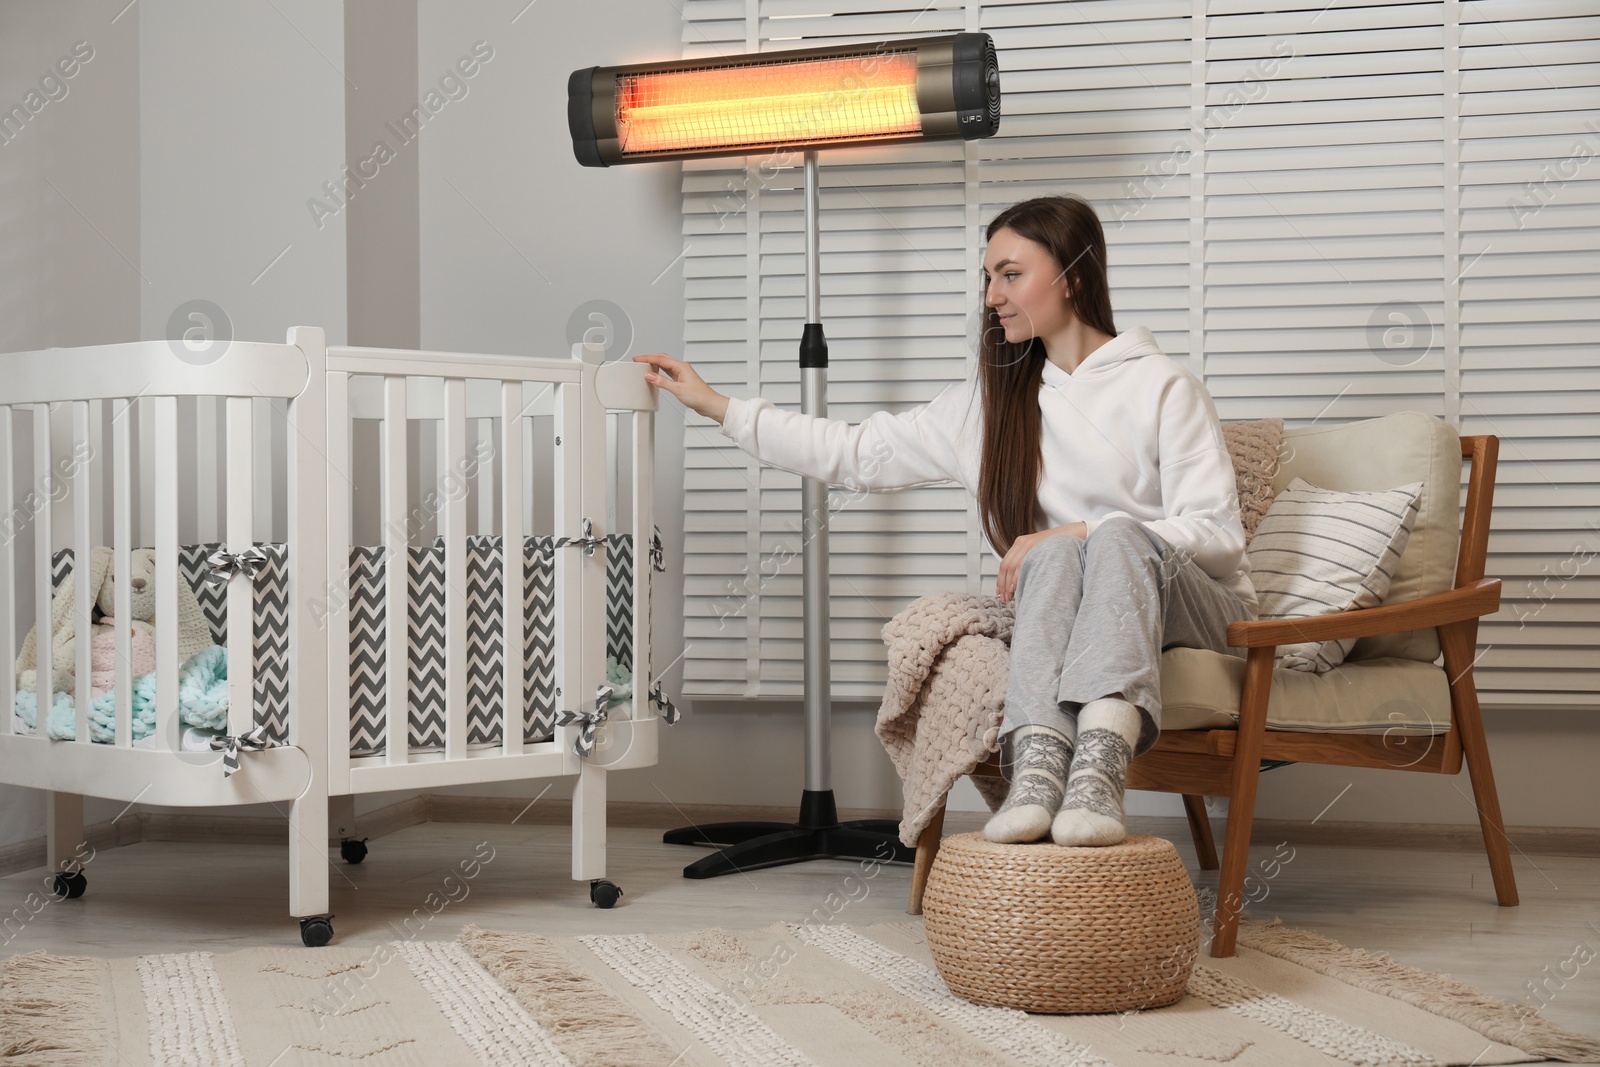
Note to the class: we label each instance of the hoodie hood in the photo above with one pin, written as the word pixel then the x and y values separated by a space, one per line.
pixel 1128 345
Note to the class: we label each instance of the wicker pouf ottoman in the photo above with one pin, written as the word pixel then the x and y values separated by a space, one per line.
pixel 1050 929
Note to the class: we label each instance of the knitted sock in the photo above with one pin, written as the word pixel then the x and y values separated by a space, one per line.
pixel 1038 757
pixel 1091 810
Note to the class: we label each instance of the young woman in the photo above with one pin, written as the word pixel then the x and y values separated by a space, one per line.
pixel 1103 484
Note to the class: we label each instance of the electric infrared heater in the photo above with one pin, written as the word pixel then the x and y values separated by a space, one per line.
pixel 931 88
pixel 766 104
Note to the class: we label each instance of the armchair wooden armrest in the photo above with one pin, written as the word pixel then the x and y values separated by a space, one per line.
pixel 1471 601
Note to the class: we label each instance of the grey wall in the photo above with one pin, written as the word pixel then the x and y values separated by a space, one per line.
pixel 382 261
pixel 69 190
pixel 69 208
pixel 176 167
pixel 241 122
pixel 516 236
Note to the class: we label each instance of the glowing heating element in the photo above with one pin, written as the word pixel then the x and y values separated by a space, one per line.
pixel 892 92
pixel 802 101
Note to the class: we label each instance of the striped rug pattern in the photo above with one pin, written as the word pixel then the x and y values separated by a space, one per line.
pixel 812 991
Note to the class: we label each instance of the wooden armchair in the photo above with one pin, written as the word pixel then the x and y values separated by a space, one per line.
pixel 1216 757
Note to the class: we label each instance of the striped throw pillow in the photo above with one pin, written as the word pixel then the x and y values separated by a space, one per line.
pixel 1321 550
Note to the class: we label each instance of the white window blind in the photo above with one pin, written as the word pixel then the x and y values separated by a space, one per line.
pixel 1315 207
pixel 1529 318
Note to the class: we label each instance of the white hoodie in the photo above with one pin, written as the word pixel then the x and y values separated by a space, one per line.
pixel 1130 432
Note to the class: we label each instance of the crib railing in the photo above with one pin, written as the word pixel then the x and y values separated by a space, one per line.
pixel 106 445
pixel 108 448
pixel 494 401
pixel 82 491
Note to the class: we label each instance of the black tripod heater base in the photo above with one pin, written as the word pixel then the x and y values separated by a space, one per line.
pixel 749 846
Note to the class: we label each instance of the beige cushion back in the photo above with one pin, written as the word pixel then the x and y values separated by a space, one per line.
pixel 1382 453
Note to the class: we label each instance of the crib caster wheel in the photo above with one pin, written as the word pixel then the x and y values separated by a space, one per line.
pixel 353 851
pixel 315 933
pixel 604 894
pixel 69 885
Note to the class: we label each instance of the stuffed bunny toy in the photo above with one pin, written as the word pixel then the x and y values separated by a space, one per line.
pixel 142 618
pixel 141 595
pixel 194 633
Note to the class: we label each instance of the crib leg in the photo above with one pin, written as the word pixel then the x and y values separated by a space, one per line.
pixel 63 831
pixel 589 823
pixel 308 854
pixel 341 818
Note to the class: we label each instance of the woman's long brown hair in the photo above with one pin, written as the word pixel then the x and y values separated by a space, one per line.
pixel 1010 374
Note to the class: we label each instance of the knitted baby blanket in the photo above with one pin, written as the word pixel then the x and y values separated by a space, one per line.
pixel 949 660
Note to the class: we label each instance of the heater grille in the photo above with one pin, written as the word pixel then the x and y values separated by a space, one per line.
pixel 871 95
pixel 922 89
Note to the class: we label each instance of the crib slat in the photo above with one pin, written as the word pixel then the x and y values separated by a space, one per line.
pixel 266 413
pixel 483 480
pixel 84 615
pixel 612 426
pixel 644 480
pixel 455 462
pixel 397 701
pixel 208 447
pixel 165 412
pixel 43 591
pixel 279 505
pixel 530 460
pixel 121 550
pixel 336 610
pixel 10 519
pixel 511 583
pixel 571 624
pixel 146 449
pixel 240 537
pixel 95 458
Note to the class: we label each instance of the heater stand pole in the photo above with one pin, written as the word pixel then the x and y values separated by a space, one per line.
pixel 818 685
pixel 818 834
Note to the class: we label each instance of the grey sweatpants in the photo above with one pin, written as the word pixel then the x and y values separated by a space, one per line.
pixel 1093 617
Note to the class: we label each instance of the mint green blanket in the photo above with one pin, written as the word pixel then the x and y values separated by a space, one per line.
pixel 202 702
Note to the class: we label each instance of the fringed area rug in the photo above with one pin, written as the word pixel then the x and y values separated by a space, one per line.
pixel 788 994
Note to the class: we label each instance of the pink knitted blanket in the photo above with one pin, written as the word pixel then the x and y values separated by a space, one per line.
pixel 949 661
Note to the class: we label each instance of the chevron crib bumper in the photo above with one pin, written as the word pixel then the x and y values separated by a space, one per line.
pixel 426 610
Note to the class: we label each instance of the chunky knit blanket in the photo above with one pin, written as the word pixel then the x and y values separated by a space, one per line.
pixel 1254 448
pixel 202 703
pixel 949 660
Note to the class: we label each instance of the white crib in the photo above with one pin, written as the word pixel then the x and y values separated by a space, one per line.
pixel 321 449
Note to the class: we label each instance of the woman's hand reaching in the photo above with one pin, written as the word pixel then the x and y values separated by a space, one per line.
pixel 685 383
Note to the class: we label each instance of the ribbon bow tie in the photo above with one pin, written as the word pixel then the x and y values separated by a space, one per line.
pixel 257 740
pixel 669 710
pixel 222 565
pixel 658 558
pixel 588 541
pixel 591 720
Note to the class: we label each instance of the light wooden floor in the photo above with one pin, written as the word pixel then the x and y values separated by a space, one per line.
pixel 1430 909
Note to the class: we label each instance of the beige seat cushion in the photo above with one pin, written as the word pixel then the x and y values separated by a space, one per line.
pixel 1201 689
pixel 1407 446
